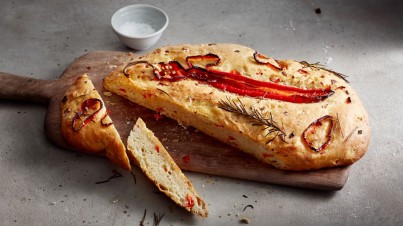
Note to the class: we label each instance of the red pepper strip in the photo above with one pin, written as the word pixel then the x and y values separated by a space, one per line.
pixel 262 59
pixel 189 201
pixel 135 63
pixel 256 88
pixel 186 158
pixel 242 85
pixel 172 71
pixel 204 61
pixel 232 82
pixel 312 130
pixel 87 105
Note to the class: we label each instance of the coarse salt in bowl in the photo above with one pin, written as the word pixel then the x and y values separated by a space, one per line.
pixel 139 26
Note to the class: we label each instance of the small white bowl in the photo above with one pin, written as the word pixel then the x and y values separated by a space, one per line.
pixel 139 26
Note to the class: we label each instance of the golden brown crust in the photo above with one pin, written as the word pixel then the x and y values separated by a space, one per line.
pixel 98 135
pixel 196 103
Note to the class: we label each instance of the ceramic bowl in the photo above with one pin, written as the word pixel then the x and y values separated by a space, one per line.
pixel 139 26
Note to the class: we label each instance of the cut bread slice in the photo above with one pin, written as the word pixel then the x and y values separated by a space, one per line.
pixel 150 155
pixel 86 125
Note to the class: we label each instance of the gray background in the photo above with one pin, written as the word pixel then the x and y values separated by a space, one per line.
pixel 41 184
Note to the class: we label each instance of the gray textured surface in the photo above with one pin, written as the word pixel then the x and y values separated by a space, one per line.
pixel 41 184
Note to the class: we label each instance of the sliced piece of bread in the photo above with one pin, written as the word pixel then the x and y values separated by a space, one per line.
pixel 86 125
pixel 150 155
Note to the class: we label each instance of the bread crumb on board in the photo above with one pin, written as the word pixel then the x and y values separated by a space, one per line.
pixel 108 94
pixel 244 221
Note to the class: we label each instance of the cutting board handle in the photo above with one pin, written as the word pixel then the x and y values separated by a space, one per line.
pixel 15 87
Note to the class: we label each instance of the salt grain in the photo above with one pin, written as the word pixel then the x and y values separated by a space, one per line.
pixel 136 29
pixel 329 60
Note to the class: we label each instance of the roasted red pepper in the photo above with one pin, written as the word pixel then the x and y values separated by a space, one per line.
pixel 135 63
pixel 202 61
pixel 262 59
pixel 89 109
pixel 312 130
pixel 233 82
pixel 157 117
pixel 186 158
pixel 189 201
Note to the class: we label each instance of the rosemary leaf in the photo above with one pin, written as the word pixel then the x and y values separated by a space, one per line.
pixel 317 65
pixel 158 218
pixel 163 91
pixel 116 174
pixel 144 217
pixel 247 207
pixel 256 117
pixel 134 177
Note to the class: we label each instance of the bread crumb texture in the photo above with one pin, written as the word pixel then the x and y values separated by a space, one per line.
pixel 150 155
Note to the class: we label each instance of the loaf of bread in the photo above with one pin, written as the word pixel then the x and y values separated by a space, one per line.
pixel 290 114
pixel 86 125
pixel 149 154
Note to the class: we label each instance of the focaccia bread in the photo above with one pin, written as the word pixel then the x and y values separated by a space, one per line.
pixel 150 155
pixel 86 125
pixel 292 115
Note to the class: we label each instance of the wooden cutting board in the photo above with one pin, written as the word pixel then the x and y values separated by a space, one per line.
pixel 191 150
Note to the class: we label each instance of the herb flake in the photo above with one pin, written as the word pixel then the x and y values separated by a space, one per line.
pixel 116 174
pixel 247 207
pixel 158 218
pixel 144 217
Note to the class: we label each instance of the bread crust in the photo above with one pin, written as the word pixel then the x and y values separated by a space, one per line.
pixel 93 137
pixel 195 103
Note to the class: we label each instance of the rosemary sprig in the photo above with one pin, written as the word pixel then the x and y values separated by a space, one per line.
pixel 247 207
pixel 144 217
pixel 163 91
pixel 134 177
pixel 255 116
pixel 351 133
pixel 158 218
pixel 116 174
pixel 317 65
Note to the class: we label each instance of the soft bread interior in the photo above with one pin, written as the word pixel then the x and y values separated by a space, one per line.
pixel 150 155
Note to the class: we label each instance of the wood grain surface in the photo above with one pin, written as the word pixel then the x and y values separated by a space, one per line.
pixel 191 150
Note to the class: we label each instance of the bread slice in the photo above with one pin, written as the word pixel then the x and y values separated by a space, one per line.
pixel 86 125
pixel 150 155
